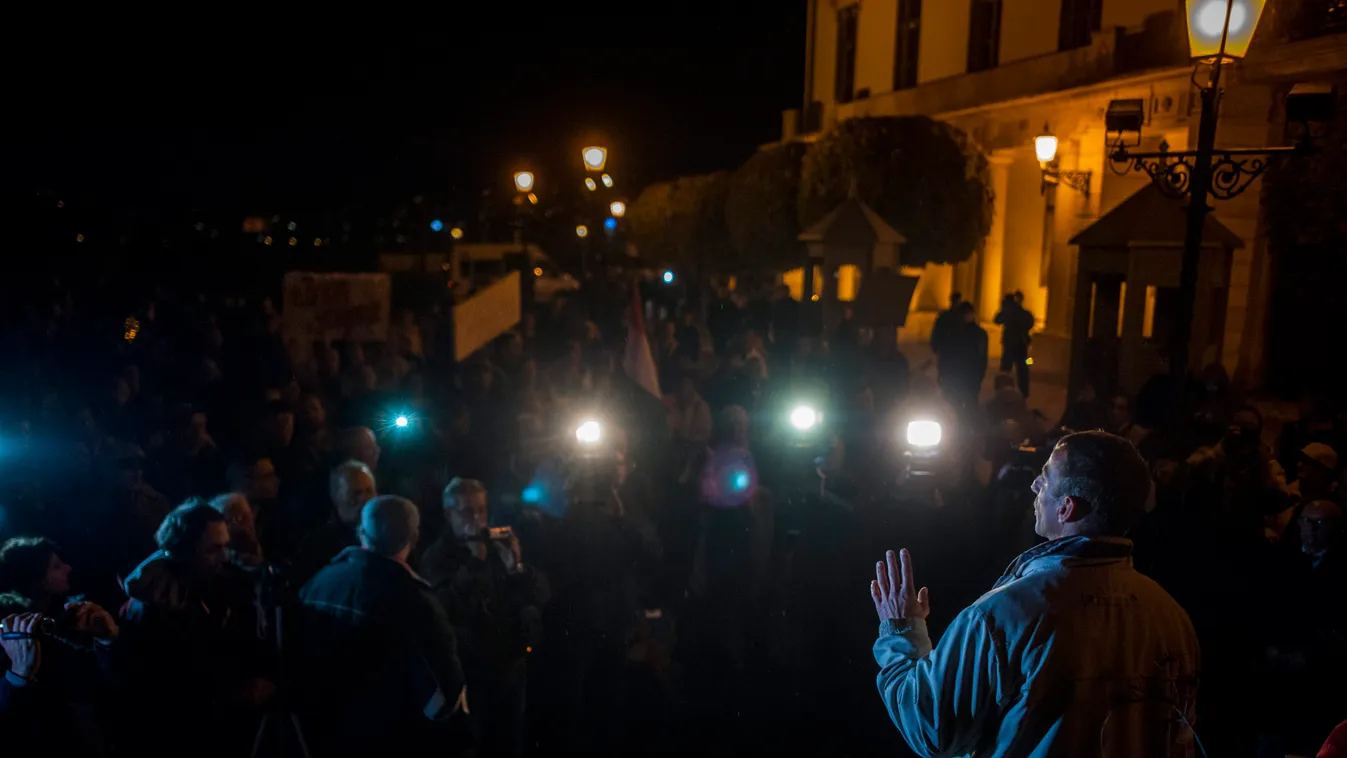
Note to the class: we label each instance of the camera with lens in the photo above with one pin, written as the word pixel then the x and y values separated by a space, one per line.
pixel 46 627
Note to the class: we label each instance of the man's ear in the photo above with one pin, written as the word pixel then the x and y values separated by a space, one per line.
pixel 1071 509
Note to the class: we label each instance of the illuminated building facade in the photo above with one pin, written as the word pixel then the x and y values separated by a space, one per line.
pixel 1003 69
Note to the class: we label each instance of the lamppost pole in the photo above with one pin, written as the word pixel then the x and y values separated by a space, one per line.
pixel 1197 220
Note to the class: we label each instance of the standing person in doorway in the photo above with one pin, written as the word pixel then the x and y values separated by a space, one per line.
pixel 1016 323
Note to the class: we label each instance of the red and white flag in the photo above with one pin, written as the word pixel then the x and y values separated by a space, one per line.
pixel 637 361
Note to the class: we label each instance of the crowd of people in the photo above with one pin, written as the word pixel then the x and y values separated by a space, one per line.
pixel 218 540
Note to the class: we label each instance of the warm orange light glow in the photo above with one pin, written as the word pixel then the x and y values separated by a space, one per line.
pixel 523 181
pixel 1207 24
pixel 533 198
pixel 590 184
pixel 582 231
pixel 618 208
pixel 607 180
pixel 266 241
pixel 317 242
pixel 595 157
pixel 293 242
pixel 537 270
pixel 1045 147
pixel 456 233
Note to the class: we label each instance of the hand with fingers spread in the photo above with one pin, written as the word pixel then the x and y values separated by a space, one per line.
pixel 895 591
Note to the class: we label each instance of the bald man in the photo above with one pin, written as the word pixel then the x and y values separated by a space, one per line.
pixel 379 650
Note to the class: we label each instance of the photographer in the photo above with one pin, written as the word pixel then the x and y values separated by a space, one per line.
pixel 1240 475
pixel 54 672
pixel 492 599
pixel 192 636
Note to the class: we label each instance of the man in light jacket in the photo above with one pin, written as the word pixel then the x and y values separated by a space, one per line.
pixel 1072 653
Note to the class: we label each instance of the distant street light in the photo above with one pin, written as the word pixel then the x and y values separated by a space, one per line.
pixel 582 231
pixel 617 208
pixel 523 181
pixel 607 180
pixel 595 157
pixel 590 184
pixel 1045 149
pixel 456 233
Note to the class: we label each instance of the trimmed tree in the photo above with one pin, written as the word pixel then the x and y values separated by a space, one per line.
pixel 761 208
pixel 683 221
pixel 924 177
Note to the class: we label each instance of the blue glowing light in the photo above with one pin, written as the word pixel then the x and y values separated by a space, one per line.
pixel 610 223
pixel 668 277
pixel 532 494
pixel 401 422
pixel 741 481
pixel 436 225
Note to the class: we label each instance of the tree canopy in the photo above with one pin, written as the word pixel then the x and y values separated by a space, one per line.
pixel 922 176
pixel 682 221
pixel 761 212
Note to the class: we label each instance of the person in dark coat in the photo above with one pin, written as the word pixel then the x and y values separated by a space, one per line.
pixel 1016 323
pixel 380 659
pixel 493 599
pixel 964 362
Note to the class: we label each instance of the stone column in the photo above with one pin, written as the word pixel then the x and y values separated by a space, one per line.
pixel 992 256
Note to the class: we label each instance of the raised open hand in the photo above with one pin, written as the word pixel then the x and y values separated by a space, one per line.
pixel 895 592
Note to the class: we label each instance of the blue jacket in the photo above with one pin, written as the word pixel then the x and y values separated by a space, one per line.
pixel 1072 653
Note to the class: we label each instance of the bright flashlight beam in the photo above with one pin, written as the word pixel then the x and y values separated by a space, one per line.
pixel 803 417
pixel 588 433
pixel 923 433
pixel 401 422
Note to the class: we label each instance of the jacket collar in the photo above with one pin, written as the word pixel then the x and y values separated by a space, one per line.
pixel 1068 552
pixel 360 555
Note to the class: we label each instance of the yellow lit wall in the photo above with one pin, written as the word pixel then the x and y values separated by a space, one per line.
pixel 944 40
pixel 1028 28
pixel 875 42
pixel 848 282
pixel 1131 13
pixel 795 280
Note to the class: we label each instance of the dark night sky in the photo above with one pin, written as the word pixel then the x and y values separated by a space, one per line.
pixel 259 113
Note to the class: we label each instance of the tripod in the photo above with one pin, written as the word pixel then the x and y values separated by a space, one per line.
pixel 280 727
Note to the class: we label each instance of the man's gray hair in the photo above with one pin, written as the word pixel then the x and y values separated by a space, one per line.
pixel 342 472
pixel 1109 475
pixel 459 488
pixel 388 524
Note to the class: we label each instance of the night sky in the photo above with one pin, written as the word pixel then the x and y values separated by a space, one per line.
pixel 255 113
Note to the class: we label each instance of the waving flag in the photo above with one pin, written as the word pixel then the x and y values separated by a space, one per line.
pixel 637 361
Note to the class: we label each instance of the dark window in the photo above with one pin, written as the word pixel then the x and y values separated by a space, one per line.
pixel 907 44
pixel 1080 18
pixel 844 87
pixel 984 35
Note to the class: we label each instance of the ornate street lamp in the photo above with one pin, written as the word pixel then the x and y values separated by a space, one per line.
pixel 1045 148
pixel 1219 32
pixel 595 157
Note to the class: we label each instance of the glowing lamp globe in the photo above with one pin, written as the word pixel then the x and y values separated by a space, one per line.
pixel 456 233
pixel 523 181
pixel 595 157
pixel 1045 148
pixel 590 184
pixel 582 231
pixel 1222 28
pixel 618 208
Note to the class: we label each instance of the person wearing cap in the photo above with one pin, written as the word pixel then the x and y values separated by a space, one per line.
pixel 380 660
pixel 1316 479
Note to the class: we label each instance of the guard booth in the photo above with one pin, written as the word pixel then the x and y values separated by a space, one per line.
pixel 1127 290
pixel 853 234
